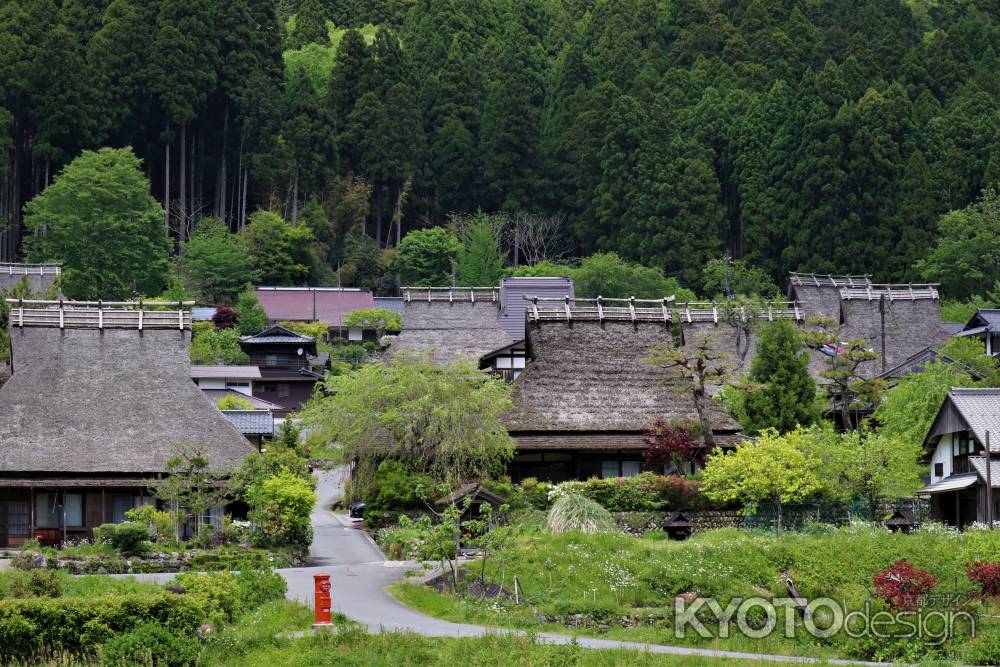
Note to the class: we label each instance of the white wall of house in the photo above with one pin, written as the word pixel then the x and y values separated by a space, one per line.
pixel 244 387
pixel 943 456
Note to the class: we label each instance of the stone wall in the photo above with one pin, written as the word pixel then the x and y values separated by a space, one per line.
pixel 637 523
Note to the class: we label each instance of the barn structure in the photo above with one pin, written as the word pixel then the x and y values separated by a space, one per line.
pixel 100 399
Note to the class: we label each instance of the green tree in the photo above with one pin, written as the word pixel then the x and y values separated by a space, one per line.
pixel 426 257
pixel 767 468
pixel 214 263
pixel 608 275
pixel 848 386
pixel 211 346
pixel 280 252
pixel 310 25
pixel 967 254
pixel 442 420
pixel 728 277
pixel 99 221
pixel 379 319
pixel 252 318
pixel 281 506
pixel 781 393
pixel 191 487
pixel 479 261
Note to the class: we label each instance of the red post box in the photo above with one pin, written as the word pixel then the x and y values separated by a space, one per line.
pixel 321 582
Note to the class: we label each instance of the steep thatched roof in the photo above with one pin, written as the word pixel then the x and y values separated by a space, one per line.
pixel 41 277
pixel 451 324
pixel 731 327
pixel 589 375
pixel 819 294
pixel 83 400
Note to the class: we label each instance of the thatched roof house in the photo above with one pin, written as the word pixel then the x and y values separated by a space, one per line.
pixel 99 401
pixel 451 323
pixel 40 277
pixel 819 294
pixel 582 403
pixel 730 327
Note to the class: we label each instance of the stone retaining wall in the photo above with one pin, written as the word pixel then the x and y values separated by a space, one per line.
pixel 637 523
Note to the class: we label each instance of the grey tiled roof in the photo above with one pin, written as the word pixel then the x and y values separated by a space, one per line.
pixel 981 410
pixel 251 422
pixel 979 463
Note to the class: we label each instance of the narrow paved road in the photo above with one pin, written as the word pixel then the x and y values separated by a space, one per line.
pixel 359 575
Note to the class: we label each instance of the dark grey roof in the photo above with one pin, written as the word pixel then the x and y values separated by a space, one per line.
pixel 979 464
pixel 952 328
pixel 393 303
pixel 984 317
pixel 451 329
pixel 251 422
pixel 215 395
pixel 513 304
pixel 277 334
pixel 917 362
pixel 951 483
pixel 588 375
pixel 975 409
pixel 112 401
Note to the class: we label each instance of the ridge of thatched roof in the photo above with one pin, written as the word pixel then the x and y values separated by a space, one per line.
pixel 450 294
pixel 107 401
pixel 828 279
pixel 41 277
pixel 451 329
pixel 591 376
pixel 906 292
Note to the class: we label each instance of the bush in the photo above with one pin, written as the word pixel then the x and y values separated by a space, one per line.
pixel 260 586
pixel 159 523
pixel 902 585
pixel 281 507
pixel 536 493
pixel 38 583
pixel 987 575
pixel 151 644
pixel 127 538
pixel 219 593
pixel 643 493
pixel 574 513
pixel 395 486
pixel 984 649
pixel 76 625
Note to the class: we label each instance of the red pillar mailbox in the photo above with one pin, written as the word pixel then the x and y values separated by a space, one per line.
pixel 321 582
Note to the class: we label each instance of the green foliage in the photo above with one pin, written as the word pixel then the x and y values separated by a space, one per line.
pixel 379 319
pixel 742 278
pixel 573 513
pixel 962 311
pixel 608 275
pixel 214 264
pixel 275 460
pixel 216 346
pixel 99 221
pixel 219 593
pixel 394 487
pixel 38 583
pixel 425 257
pixel 127 538
pixel 158 523
pixel 479 260
pixel 968 351
pixel 252 318
pixel 965 257
pixel 642 493
pixel 234 402
pixel 310 24
pixel 151 643
pixel 438 419
pixel 281 506
pixel 781 393
pixel 279 252
pixel 260 586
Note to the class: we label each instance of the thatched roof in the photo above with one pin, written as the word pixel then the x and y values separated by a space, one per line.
pixel 589 375
pixel 451 324
pixel 111 401
pixel 602 441
pixel 819 294
pixel 41 277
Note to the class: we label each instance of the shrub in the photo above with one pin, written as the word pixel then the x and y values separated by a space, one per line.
pixel 574 513
pixel 536 493
pixel 902 585
pixel 984 649
pixel 38 583
pixel 159 523
pixel 234 402
pixel 394 486
pixel 151 644
pixel 127 538
pixel 281 507
pixel 260 586
pixel 218 592
pixel 76 624
pixel 643 493
pixel 987 575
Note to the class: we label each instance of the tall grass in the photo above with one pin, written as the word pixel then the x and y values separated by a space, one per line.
pixel 578 514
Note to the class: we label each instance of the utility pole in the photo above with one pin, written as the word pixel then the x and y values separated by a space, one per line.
pixel 728 289
pixel 881 311
pixel 989 483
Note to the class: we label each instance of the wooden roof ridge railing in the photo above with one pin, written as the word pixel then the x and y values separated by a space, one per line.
pixel 450 294
pixel 14 269
pixel 711 310
pixel 829 279
pixel 895 292
pixel 64 314
pixel 567 308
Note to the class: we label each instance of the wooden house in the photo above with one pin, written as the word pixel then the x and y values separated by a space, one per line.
pixel 286 361
pixel 984 326
pixel 955 447
pixel 586 394
pixel 450 323
pixel 100 399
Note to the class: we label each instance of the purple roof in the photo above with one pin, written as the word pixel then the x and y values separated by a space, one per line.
pixel 309 304
pixel 512 302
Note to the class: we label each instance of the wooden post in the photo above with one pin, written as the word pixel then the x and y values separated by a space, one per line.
pixel 989 483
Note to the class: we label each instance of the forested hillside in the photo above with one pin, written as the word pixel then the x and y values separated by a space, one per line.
pixel 827 135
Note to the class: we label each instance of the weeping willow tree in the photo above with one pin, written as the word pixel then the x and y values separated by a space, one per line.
pixel 441 420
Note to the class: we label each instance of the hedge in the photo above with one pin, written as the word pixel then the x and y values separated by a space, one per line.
pixel 76 625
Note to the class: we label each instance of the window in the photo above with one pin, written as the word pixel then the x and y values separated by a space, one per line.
pixel 630 468
pixel 47 510
pixel 504 362
pixel 119 505
pixel 238 385
pixel 619 469
pixel 355 333
pixel 609 469
pixel 270 360
pixel 284 390
pixel 73 509
pixel 939 470
pixel 518 362
pixel 268 388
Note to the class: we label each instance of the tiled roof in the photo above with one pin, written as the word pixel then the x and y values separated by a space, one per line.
pixel 951 483
pixel 251 422
pixel 310 304
pixel 981 410
pixel 979 463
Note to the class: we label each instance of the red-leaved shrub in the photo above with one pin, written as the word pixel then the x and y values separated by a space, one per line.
pixel 987 575
pixel 902 585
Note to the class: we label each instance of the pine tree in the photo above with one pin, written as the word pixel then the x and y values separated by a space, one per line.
pixel 310 25
pixel 782 392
